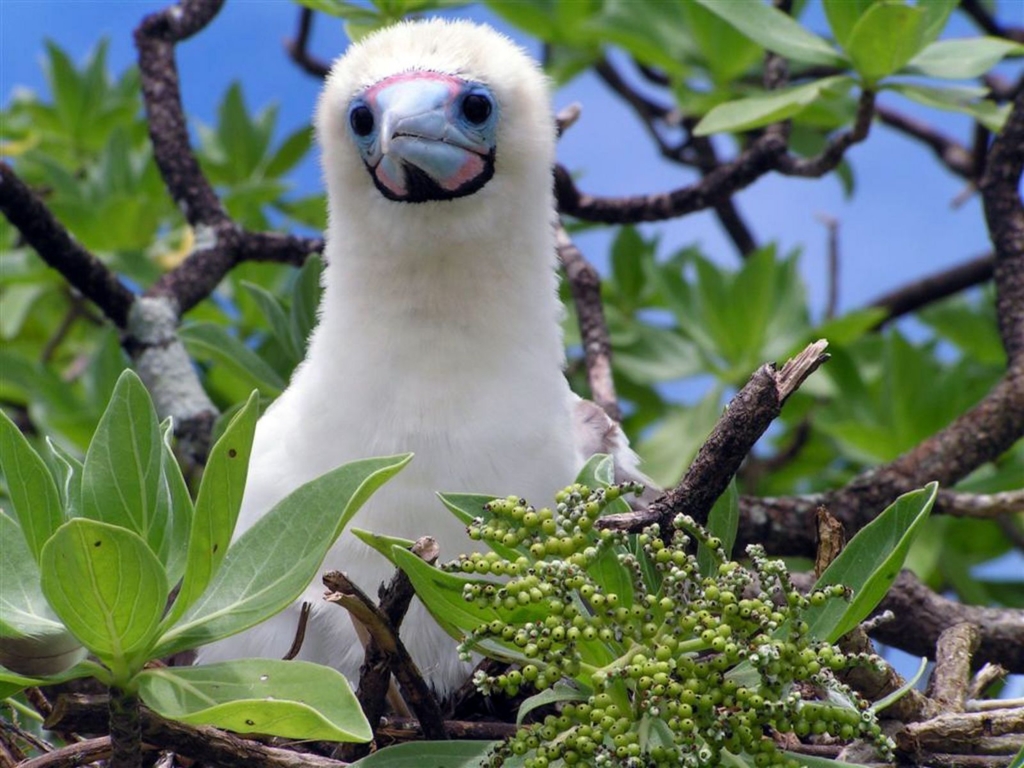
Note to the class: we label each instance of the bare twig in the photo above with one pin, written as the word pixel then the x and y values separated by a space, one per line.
pixel 86 273
pixel 585 285
pixel 832 227
pixel 415 689
pixel 298 49
pixel 982 505
pixel 986 21
pixel 950 682
pixel 72 755
pixel 986 676
pixel 403 729
pixel 749 414
pixel 300 631
pixel 832 154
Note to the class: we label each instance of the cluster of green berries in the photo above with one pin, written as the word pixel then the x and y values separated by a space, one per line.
pixel 672 667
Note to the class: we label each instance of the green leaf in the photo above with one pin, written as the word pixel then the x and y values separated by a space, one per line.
pixel 123 470
pixel 380 542
pixel 963 59
pixel 1018 760
pixel 272 562
pixel 870 563
pixel 209 341
pixel 178 503
pixel 291 151
pixel 67 471
pixel 217 506
pixel 275 316
pixel 289 699
pixel 843 15
pixel 813 761
pixel 728 52
pixel 723 522
pixel 670 448
pixel 969 101
pixel 900 692
pixel 771 107
pixel 886 37
pixel 33 641
pixel 772 29
pixel 12 682
pixel 306 300
pixel 628 251
pixel 559 692
pixel 108 588
pixel 429 754
pixel 30 485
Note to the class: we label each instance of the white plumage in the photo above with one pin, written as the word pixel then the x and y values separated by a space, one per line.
pixel 440 324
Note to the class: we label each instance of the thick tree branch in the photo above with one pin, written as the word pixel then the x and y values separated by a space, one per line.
pixel 935 287
pixel 585 285
pixel 40 228
pixel 986 21
pixel 749 414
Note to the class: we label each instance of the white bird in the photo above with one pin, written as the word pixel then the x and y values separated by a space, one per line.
pixel 440 327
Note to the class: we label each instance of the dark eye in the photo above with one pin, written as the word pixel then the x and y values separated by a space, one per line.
pixel 361 120
pixel 476 107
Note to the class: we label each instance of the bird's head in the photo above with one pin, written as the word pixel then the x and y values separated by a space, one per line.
pixel 432 112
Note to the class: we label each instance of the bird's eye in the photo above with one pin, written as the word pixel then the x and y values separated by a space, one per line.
pixel 361 120
pixel 476 107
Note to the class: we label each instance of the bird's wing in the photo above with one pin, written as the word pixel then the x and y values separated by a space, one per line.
pixel 596 432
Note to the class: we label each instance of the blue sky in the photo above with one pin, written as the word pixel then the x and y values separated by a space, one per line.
pixel 898 226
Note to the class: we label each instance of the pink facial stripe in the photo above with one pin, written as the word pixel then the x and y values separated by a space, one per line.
pixel 468 171
pixel 453 83
pixel 395 185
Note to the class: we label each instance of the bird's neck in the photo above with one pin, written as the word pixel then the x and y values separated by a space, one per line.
pixel 470 298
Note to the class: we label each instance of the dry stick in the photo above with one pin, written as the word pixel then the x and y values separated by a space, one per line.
pixel 995 732
pixel 210 745
pixel 375 686
pixel 832 227
pixel 983 505
pixel 300 632
pixel 73 755
pixel 747 417
pixel 86 273
pixel 935 287
pixel 986 676
pixel 585 285
pixel 950 682
pixel 414 688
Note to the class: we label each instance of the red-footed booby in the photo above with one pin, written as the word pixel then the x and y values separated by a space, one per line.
pixel 440 327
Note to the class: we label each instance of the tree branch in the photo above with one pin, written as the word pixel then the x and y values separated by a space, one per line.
pixel 747 417
pixel 585 285
pixel 935 287
pixel 988 23
pixel 48 237
pixel 298 49
pixel 954 155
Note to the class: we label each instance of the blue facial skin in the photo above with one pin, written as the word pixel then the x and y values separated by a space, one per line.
pixel 426 136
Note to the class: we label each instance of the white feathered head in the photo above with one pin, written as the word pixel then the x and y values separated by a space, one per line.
pixel 450 115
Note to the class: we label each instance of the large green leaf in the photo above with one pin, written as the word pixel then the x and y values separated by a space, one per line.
pixel 11 682
pixel 108 588
pixel 30 485
pixel 771 107
pixel 270 565
pixel 963 59
pixel 277 319
pixel 870 563
pixel 886 37
pixel 772 29
pixel 966 100
pixel 723 522
pixel 123 471
pixel 429 754
pixel 217 506
pixel 33 641
pixel 178 503
pixel 290 699
pixel 843 15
